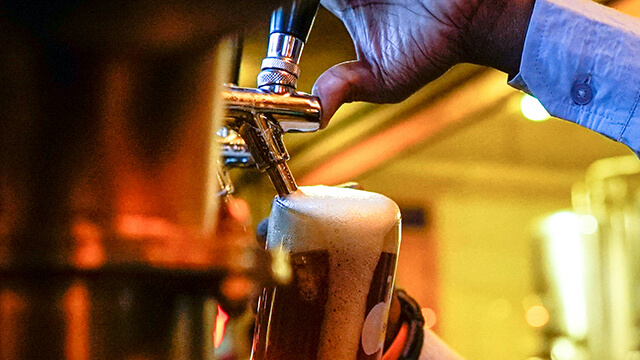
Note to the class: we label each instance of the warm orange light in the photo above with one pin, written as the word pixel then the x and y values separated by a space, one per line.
pixel 239 209
pixel 430 317
pixel 236 288
pixel 221 325
pixel 13 308
pixel 537 316
pixel 77 309
pixel 146 226
pixel 90 251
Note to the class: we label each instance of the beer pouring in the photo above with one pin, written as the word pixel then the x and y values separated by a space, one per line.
pixel 262 115
pixel 342 243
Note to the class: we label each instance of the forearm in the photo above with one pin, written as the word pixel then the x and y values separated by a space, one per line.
pixel 580 60
pixel 432 348
pixel 497 33
pixel 435 349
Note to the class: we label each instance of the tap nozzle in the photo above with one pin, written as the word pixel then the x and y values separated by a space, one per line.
pixel 264 140
pixel 261 118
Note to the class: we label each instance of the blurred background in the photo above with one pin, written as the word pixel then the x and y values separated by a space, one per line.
pixel 518 238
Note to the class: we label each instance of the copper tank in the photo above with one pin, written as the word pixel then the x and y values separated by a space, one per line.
pixel 108 197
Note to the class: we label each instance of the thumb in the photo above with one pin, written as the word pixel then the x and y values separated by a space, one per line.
pixel 344 83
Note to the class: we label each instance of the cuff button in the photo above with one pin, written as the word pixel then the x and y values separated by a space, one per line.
pixel 581 93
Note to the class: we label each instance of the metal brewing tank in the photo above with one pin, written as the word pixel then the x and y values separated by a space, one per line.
pixel 108 198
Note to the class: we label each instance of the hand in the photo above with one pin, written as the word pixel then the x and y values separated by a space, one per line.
pixel 402 45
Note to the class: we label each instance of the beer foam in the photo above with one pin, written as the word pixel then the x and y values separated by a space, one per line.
pixel 355 227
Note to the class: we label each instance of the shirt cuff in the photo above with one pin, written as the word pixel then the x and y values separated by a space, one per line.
pixel 580 59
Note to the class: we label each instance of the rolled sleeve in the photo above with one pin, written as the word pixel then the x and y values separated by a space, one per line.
pixel 582 61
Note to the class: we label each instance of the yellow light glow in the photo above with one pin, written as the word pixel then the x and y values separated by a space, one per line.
pixel 537 316
pixel 566 252
pixel 531 300
pixel 532 109
pixel 430 317
pixel 563 349
pixel 500 308
pixel 588 224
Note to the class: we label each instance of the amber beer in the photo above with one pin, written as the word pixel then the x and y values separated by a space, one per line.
pixel 343 246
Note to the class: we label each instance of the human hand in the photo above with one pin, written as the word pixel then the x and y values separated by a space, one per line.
pixel 402 45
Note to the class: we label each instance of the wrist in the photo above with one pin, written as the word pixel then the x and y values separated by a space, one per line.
pixel 497 32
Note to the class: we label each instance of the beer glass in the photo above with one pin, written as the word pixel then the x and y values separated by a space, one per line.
pixel 343 246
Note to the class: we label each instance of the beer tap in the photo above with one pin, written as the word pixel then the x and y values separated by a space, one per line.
pixel 261 116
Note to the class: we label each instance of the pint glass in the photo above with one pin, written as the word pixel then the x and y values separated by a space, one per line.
pixel 343 246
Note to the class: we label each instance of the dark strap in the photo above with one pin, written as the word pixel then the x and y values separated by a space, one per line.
pixel 411 315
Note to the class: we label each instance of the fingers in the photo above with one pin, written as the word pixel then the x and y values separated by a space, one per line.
pixel 393 322
pixel 351 185
pixel 344 83
pixel 261 232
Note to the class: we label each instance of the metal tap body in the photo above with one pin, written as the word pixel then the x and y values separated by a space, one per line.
pixel 279 71
pixel 261 116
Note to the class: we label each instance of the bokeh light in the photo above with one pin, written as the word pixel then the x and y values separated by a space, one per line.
pixel 532 109
pixel 430 317
pixel 537 316
pixel 500 308
pixel 563 349
pixel 588 224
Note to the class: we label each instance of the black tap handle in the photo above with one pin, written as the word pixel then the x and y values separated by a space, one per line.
pixel 295 19
pixel 237 42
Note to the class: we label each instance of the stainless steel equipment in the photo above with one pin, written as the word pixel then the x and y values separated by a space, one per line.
pixel 261 116
pixel 588 269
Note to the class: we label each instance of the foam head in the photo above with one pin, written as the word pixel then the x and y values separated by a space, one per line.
pixel 355 227
pixel 317 217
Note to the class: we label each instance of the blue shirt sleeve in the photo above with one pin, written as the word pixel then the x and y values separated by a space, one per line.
pixel 582 61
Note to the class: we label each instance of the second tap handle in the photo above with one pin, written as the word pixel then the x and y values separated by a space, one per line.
pixel 296 19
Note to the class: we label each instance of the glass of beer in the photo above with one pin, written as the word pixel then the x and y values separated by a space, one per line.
pixel 343 246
